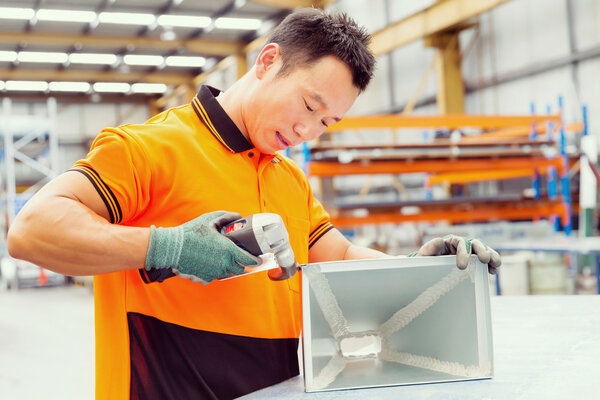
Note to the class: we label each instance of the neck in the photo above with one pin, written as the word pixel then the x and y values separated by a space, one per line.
pixel 232 101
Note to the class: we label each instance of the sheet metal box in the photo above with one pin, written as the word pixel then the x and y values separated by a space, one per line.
pixel 396 321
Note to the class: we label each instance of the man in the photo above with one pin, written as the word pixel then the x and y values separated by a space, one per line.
pixel 146 197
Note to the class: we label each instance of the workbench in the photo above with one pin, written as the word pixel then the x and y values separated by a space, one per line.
pixel 545 347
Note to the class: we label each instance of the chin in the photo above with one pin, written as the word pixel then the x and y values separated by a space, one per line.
pixel 266 148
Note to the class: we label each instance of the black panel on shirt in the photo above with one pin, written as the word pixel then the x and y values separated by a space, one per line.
pixel 215 117
pixel 169 361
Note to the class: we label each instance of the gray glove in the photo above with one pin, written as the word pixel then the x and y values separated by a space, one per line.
pixel 197 251
pixel 462 247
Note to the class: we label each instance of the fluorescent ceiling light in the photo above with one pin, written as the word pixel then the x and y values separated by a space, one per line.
pixel 184 21
pixel 92 58
pixel 137 59
pixel 126 18
pixel 148 88
pixel 69 86
pixel 238 23
pixel 42 57
pixel 66 15
pixel 1 85
pixel 9 56
pixel 27 85
pixel 117 87
pixel 183 61
pixel 16 13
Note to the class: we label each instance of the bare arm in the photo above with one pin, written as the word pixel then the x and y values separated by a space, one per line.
pixel 333 246
pixel 65 228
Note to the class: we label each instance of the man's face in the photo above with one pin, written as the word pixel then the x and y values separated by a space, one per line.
pixel 297 107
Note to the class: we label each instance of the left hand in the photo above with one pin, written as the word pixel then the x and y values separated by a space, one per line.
pixel 462 247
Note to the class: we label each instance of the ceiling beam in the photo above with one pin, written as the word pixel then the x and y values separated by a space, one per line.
pixel 291 4
pixel 201 46
pixel 434 19
pixel 77 98
pixel 220 66
pixel 95 76
pixel 256 44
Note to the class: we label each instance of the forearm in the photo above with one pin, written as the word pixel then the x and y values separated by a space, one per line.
pixel 333 246
pixel 354 252
pixel 65 236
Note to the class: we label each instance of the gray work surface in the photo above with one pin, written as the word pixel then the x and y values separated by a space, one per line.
pixel 545 347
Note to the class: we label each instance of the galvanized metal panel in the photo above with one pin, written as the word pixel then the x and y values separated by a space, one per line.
pixel 423 319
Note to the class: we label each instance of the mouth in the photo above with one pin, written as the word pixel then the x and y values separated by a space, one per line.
pixel 281 142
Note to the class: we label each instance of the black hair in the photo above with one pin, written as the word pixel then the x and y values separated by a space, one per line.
pixel 308 34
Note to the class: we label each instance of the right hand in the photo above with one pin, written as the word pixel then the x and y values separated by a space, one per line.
pixel 197 250
pixel 463 248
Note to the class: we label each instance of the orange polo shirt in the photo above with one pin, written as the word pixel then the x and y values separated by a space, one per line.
pixel 171 338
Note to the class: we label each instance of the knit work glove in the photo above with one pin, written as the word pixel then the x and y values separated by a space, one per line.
pixel 197 251
pixel 462 247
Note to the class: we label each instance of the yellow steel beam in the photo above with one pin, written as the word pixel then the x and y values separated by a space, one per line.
pixel 285 3
pixel 255 44
pixel 181 95
pixel 241 62
pixel 407 166
pixel 201 46
pixel 94 76
pixel 519 131
pixel 451 90
pixel 475 214
pixel 449 121
pixel 221 65
pixel 436 18
pixel 484 175
pixel 238 59
pixel 153 107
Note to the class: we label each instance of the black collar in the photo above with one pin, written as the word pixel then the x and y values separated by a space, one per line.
pixel 217 121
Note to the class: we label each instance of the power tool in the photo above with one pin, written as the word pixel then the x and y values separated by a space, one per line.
pixel 264 233
pixel 258 234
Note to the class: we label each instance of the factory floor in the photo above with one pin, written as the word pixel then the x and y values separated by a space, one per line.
pixel 47 343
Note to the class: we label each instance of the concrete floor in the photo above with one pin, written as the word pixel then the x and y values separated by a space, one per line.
pixel 47 343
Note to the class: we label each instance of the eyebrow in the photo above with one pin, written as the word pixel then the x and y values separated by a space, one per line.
pixel 317 97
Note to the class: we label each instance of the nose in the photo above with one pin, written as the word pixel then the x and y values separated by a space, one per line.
pixel 307 131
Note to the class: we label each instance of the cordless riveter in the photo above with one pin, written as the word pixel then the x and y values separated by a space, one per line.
pixel 257 234
pixel 264 233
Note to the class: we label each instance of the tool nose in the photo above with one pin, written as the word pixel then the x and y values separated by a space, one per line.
pixel 283 273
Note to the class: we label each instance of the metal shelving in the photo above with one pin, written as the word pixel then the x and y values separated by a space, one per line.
pixel 30 158
pixel 446 161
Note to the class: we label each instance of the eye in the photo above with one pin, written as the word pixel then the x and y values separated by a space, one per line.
pixel 324 124
pixel 307 106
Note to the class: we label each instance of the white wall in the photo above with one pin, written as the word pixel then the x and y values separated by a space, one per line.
pixel 76 126
pixel 516 35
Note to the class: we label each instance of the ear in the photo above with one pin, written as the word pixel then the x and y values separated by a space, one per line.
pixel 267 59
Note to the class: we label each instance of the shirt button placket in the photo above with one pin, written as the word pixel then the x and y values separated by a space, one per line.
pixel 261 192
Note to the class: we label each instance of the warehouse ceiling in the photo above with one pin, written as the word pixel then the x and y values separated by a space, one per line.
pixel 127 47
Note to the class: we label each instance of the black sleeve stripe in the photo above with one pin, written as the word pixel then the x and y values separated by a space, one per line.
pixel 102 196
pixel 108 197
pixel 104 191
pixel 111 195
pixel 317 230
pixel 316 239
